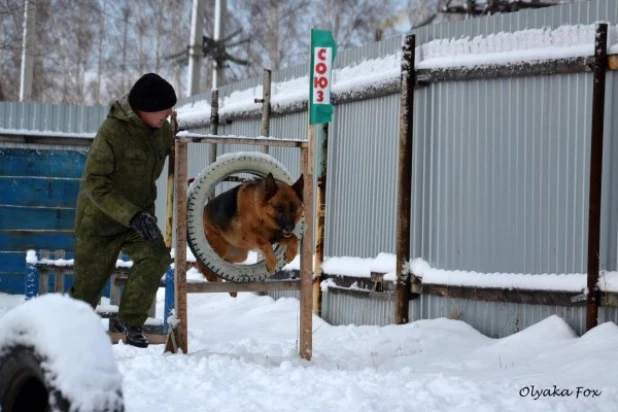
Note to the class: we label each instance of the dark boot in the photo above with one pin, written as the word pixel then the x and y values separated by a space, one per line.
pixel 134 335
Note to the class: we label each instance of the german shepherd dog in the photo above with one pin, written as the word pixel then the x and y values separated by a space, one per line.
pixel 254 215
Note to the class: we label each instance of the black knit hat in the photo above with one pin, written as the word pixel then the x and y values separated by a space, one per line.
pixel 152 93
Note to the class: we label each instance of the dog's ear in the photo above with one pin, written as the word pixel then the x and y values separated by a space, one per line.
pixel 270 187
pixel 298 187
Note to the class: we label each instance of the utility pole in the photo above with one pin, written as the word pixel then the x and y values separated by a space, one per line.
pixel 126 13
pixel 220 19
pixel 195 47
pixel 27 52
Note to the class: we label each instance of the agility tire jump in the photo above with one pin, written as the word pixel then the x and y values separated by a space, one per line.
pixel 256 164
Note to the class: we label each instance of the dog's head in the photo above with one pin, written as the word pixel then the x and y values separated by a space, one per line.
pixel 284 203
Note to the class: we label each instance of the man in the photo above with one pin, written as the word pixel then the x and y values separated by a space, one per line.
pixel 115 206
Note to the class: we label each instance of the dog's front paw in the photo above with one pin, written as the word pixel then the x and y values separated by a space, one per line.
pixel 290 252
pixel 271 263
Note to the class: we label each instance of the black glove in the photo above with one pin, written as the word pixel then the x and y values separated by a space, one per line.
pixel 146 225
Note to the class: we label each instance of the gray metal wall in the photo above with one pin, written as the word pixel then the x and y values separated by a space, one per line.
pixel 60 118
pixel 501 174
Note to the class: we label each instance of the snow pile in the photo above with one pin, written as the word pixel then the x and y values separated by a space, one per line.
pixel 243 355
pixel 77 354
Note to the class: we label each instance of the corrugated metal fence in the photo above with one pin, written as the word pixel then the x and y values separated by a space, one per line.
pixel 500 184
pixel 60 118
pixel 500 165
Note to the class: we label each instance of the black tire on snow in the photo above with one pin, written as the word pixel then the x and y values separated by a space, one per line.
pixel 254 163
pixel 24 384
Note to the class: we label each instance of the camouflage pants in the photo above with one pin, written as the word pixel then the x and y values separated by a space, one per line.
pixel 95 260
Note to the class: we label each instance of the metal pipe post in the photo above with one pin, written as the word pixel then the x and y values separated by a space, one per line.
pixel 195 47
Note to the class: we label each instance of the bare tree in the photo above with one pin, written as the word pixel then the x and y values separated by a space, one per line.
pixel 278 31
pixel 11 17
pixel 354 22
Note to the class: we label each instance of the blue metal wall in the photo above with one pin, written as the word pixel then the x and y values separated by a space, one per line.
pixel 38 188
pixel 39 182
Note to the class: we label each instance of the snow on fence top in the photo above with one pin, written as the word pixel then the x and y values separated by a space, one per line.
pixel 526 46
pixel 385 263
pixel 531 45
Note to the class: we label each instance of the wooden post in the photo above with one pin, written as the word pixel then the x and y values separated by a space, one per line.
pixel 214 126
pixel 320 217
pixel 404 187
pixel 214 130
pixel 596 174
pixel 265 100
pixel 169 225
pixel 214 112
pixel 169 201
pixel 306 270
pixel 180 261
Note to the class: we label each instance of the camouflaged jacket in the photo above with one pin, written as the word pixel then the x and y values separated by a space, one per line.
pixel 124 162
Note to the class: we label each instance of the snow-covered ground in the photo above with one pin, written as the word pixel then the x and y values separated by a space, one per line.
pixel 243 356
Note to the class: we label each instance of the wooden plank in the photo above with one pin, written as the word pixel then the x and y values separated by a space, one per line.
pixel 180 261
pixel 59 283
pixel 531 297
pixel 612 62
pixel 44 283
pixel 42 163
pixel 257 141
pixel 609 299
pixel 155 339
pixel 35 191
pixel 363 293
pixel 216 287
pixel 32 218
pixel 32 239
